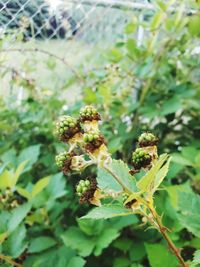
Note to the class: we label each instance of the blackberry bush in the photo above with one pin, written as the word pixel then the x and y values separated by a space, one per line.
pixel 114 182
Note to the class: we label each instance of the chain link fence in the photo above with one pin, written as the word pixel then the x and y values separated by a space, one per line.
pixel 92 21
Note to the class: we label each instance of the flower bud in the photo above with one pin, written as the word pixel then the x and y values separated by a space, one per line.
pixel 147 139
pixel 141 158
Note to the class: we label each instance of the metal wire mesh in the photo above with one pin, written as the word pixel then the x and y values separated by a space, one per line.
pixel 91 21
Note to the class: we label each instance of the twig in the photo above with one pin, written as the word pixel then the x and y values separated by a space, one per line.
pixel 9 260
pixel 42 51
pixel 163 231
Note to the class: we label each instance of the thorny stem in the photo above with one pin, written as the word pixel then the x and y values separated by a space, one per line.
pixel 163 231
pixel 157 223
pixel 9 260
pixel 125 188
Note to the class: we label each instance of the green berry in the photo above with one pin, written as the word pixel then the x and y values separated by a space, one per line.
pixel 141 158
pixel 147 139
pixel 82 186
pixel 60 159
pixel 87 182
pixel 89 113
pixel 91 136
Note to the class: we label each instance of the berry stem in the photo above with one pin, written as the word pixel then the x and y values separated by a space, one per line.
pixel 163 230
pixel 117 178
pixel 9 260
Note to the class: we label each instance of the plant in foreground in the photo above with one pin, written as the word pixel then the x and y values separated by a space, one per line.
pixel 87 147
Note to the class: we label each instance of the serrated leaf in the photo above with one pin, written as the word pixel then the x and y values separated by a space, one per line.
pixel 148 182
pixel 18 215
pixel 6 179
pixel 161 174
pixel 16 242
pixel 40 185
pixel 30 154
pixel 107 182
pixel 77 240
pixel 189 216
pixel 76 262
pixel 196 258
pixel 3 236
pixel 18 172
pixel 158 256
pixel 104 240
pixel 41 243
pixel 56 186
pixel 105 212
pixel 23 192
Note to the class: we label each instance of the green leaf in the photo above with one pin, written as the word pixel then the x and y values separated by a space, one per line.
pixel 18 172
pixel 41 243
pixel 171 106
pixel 196 258
pixel 174 191
pixel 194 25
pixel 105 212
pixel 107 182
pixel 16 242
pixel 40 185
pixel 56 186
pixel 3 236
pixel 158 256
pixel 89 227
pixel 161 174
pixel 157 19
pixel 104 240
pixel 189 207
pixel 150 181
pixel 6 179
pixel 178 158
pixel 18 215
pixel 77 240
pixel 76 262
pixel 30 154
pixel 131 27
pixel 23 192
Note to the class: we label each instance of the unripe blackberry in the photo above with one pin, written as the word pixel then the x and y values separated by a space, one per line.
pixel 86 190
pixel 89 113
pixel 82 186
pixel 93 140
pixel 141 158
pixel 67 127
pixel 63 161
pixel 147 139
pixel 61 158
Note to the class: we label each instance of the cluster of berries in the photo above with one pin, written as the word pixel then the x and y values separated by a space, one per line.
pixel 89 113
pixel 145 153
pixel 83 137
pixel 82 187
pixel 67 127
pixel 86 189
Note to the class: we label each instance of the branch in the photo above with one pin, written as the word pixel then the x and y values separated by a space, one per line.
pixel 42 51
pixel 9 260
pixel 163 231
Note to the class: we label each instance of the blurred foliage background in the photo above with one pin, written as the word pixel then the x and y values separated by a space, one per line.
pixel 145 78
